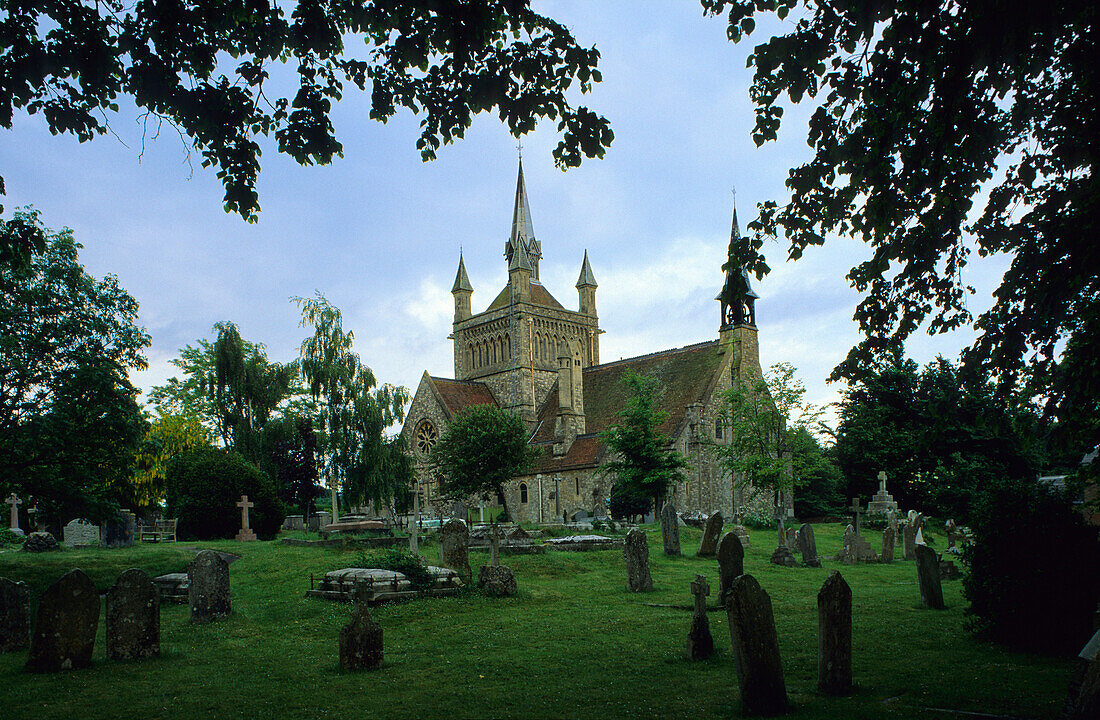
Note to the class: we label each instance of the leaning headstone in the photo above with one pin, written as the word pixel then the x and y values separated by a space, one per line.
pixel 208 587
pixel 928 574
pixel 15 616
pixel 807 545
pixel 636 554
pixel 949 527
pixel 700 644
pixel 133 617
pixel 455 543
pixel 670 529
pixel 65 625
pixel 360 639
pixel 756 649
pixel 80 533
pixel 712 531
pixel 834 636
pixel 909 541
pixel 731 563
pixel 887 544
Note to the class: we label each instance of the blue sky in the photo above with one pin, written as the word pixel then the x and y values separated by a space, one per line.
pixel 379 232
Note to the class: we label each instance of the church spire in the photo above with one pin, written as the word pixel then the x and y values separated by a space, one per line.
pixel 737 296
pixel 523 230
pixel 587 278
pixel 462 280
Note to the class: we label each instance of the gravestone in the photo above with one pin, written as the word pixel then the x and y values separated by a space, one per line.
pixel 15 502
pixel 454 541
pixel 792 538
pixel 294 522
pixel 855 548
pixel 496 580
pixel 636 554
pixel 949 528
pixel 40 542
pixel 208 587
pixel 15 616
pixel 670 529
pixel 784 557
pixel 118 532
pixel 712 531
pixel 834 636
pixel 928 575
pixel 882 502
pixel 700 644
pixel 65 625
pixel 731 563
pixel 909 541
pixel 892 521
pixel 245 534
pixel 739 530
pixel 133 617
pixel 756 649
pixel 887 544
pixel 857 510
pixel 918 526
pixel 807 545
pixel 80 533
pixel 361 639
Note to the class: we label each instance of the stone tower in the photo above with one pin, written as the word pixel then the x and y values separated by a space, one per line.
pixel 738 322
pixel 513 346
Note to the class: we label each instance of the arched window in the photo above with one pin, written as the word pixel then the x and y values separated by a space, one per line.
pixel 717 428
pixel 508 347
pixel 523 492
pixel 493 348
pixel 426 436
pixel 471 349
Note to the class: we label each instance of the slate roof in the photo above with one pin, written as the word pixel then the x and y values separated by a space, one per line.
pixel 684 376
pixel 539 296
pixel 457 395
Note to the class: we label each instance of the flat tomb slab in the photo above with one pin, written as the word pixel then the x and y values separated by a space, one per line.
pixel 173 587
pixel 382 585
pixel 584 542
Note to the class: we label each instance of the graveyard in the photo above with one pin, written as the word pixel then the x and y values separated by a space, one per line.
pixel 572 642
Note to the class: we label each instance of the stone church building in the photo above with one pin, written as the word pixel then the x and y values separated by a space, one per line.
pixel 528 354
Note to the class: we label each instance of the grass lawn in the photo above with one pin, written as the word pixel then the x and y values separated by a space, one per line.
pixel 573 644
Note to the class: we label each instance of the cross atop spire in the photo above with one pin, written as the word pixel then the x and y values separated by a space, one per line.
pixel 523 230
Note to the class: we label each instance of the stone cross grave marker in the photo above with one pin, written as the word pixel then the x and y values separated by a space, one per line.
pixel 15 502
pixel 700 644
pixel 756 649
pixel 882 481
pixel 245 533
pixel 834 636
pixel 857 511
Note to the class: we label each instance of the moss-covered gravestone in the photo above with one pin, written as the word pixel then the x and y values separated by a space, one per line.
pixel 636 554
pixel 756 649
pixel 834 636
pixel 133 617
pixel 700 644
pixel 928 575
pixel 65 625
pixel 731 563
pixel 208 590
pixel 807 546
pixel 670 529
pixel 712 531
pixel 455 545
pixel 15 616
pixel 360 639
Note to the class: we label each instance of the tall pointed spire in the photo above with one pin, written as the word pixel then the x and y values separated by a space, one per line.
pixel 520 260
pixel 737 296
pixel 462 280
pixel 523 230
pixel 587 279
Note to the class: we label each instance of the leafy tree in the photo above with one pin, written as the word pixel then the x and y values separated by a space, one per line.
pixel 290 456
pixel 69 422
pixel 643 460
pixel 483 448
pixel 919 105
pixel 204 486
pixel 820 480
pixel 355 454
pixel 764 418
pixel 167 437
pixel 443 61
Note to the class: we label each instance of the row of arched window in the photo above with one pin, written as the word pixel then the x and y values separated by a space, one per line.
pixel 490 351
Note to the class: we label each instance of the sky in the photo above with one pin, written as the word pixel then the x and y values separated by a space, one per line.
pixel 379 232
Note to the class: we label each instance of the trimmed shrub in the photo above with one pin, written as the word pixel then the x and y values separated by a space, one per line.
pixel 204 486
pixel 1032 582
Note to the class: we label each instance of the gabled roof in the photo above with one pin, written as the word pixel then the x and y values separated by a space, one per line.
pixel 458 395
pixel 539 296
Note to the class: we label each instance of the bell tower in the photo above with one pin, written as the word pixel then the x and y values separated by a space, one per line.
pixel 737 329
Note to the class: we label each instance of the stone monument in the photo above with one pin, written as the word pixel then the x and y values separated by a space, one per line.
pixel 245 534
pixel 731 563
pixel 636 554
pixel 65 625
pixel 208 587
pixel 882 502
pixel 454 541
pixel 670 529
pixel 928 575
pixel 712 531
pixel 700 644
pixel 133 617
pixel 756 649
pixel 15 502
pixel 361 639
pixel 807 546
pixel 15 616
pixel 80 533
pixel 834 636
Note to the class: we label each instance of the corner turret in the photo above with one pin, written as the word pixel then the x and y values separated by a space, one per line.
pixel 586 288
pixel 462 291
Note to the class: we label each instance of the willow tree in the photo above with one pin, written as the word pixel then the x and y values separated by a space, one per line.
pixel 353 413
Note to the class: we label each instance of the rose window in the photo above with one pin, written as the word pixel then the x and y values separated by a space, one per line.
pixel 426 437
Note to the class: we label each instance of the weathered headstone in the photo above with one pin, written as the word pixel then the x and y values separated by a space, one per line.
pixel 783 556
pixel 888 544
pixel 15 502
pixel 928 575
pixel 636 554
pixel 807 545
pixel 792 538
pixel 855 548
pixel 133 617
pixel 118 532
pixel 455 544
pixel 756 649
pixel 700 644
pixel 15 616
pixel 245 534
pixel 361 639
pixel 494 545
pixel 670 529
pixel 909 541
pixel 834 636
pixel 712 531
pixel 208 587
pixel 731 563
pixel 80 533
pixel 65 625
pixel 40 542
pixel 496 580
pixel 949 528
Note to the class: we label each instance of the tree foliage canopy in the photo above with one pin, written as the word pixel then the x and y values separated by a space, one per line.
pixel 205 67
pixel 482 449
pixel 942 127
pixel 642 458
